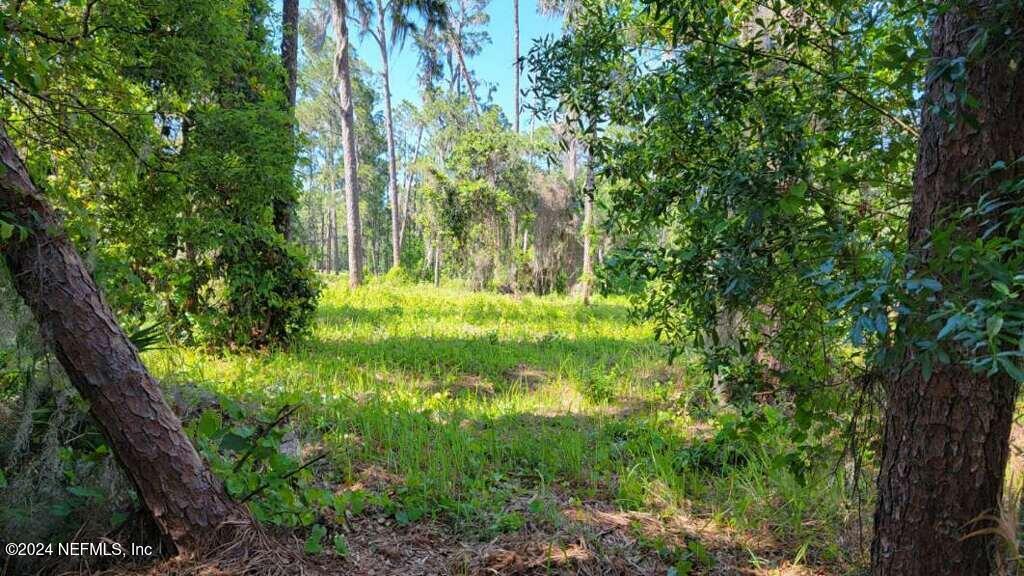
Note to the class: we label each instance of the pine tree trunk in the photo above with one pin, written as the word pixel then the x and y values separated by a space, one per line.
pixel 945 442
pixel 518 66
pixel 343 75
pixel 187 502
pixel 332 238
pixel 396 240
pixel 321 232
pixel 513 239
pixel 513 223
pixel 290 48
pixel 407 207
pixel 460 57
pixel 290 60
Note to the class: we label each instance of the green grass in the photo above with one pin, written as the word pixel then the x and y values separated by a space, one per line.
pixel 474 401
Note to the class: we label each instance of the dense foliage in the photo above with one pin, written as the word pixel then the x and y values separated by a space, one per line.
pixel 758 178
pixel 162 131
pixel 756 148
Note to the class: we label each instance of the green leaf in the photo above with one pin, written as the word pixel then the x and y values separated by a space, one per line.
pixel 340 545
pixel 926 367
pixel 1011 368
pixel 84 492
pixel 209 423
pixel 993 325
pixel 682 568
pixel 235 485
pixel 233 442
pixel 881 323
pixel 314 544
pixel 61 509
pixel 6 230
pixel 952 324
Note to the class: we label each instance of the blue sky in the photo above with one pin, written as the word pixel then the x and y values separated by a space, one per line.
pixel 492 67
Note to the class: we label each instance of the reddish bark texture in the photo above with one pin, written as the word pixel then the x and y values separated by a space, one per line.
pixel 946 438
pixel 187 502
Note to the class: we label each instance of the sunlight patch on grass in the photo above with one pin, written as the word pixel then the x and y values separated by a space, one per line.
pixel 467 403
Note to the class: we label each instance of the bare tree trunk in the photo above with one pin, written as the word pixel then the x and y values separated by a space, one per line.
pixel 396 241
pixel 324 246
pixel 343 75
pixel 588 232
pixel 513 237
pixel 429 249
pixel 290 60
pixel 513 221
pixel 332 210
pixel 437 263
pixel 408 190
pixel 518 66
pixel 570 162
pixel 456 47
pixel 187 502
pixel 290 47
pixel 332 237
pixel 945 442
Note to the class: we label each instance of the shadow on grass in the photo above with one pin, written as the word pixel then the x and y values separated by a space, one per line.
pixel 479 311
pixel 501 361
pixel 523 480
pixel 358 315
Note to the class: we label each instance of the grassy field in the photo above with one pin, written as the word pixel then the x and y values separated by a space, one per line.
pixel 480 432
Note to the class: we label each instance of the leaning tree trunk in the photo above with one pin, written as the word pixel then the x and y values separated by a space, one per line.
pixel 946 437
pixel 389 129
pixel 290 60
pixel 455 44
pixel 187 502
pixel 343 75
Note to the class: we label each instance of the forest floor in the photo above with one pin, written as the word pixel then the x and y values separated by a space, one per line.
pixel 495 434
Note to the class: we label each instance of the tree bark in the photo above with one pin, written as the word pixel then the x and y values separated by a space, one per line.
pixel 396 239
pixel 469 79
pixel 332 238
pixel 343 75
pixel 290 47
pixel 513 240
pixel 187 502
pixel 588 225
pixel 290 60
pixel 437 263
pixel 518 66
pixel 455 44
pixel 945 442
pixel 408 189
pixel 324 246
